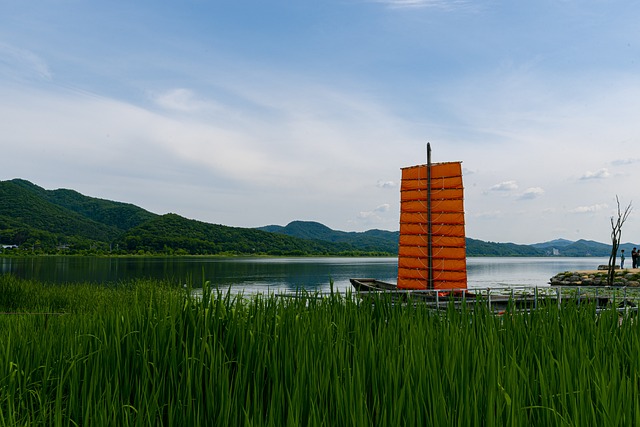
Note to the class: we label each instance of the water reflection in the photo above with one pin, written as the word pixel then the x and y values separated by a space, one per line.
pixel 496 272
pixel 249 274
pixel 278 274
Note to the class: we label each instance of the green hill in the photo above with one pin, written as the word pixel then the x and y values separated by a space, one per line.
pixel 482 248
pixel 27 216
pixel 389 241
pixel 372 240
pixel 50 221
pixel 172 233
pixel 121 216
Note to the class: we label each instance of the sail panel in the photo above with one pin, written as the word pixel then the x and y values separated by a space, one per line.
pixel 439 275
pixel 437 206
pixel 440 251
pixel 436 218
pixel 421 240
pixel 421 195
pixel 423 283
pixel 413 251
pixel 448 253
pixel 438 264
pixel 448 246
pixel 450 230
pixel 438 170
pixel 415 184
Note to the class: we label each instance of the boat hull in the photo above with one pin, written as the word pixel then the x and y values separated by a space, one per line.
pixel 372 285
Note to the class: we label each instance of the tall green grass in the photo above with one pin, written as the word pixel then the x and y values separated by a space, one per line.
pixel 147 353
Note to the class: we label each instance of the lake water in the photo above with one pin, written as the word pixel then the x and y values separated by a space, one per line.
pixel 279 274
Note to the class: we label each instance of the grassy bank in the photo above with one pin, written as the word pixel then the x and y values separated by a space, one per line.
pixel 145 353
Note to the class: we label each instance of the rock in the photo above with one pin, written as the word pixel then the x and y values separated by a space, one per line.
pixel 606 267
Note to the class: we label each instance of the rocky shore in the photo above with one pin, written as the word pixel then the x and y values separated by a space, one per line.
pixel 627 277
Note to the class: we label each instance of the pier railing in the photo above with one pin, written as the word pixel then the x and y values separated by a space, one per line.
pixel 500 299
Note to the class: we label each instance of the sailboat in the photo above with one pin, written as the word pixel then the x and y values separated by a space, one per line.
pixel 432 247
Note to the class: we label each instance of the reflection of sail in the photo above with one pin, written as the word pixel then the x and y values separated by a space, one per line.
pixel 446 261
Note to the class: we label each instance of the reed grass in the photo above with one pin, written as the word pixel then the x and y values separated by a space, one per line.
pixel 147 353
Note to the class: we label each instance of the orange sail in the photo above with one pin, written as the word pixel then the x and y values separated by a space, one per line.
pixel 432 251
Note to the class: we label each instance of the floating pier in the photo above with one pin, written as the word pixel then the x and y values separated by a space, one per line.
pixel 502 299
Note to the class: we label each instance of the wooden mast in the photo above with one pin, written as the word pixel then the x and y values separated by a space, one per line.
pixel 429 227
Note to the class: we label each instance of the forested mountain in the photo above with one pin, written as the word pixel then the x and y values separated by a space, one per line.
pixel 371 240
pixel 51 221
pixel 27 216
pixel 481 248
pixel 169 233
pixel 65 221
pixel 389 241
pixel 579 248
pixel 120 216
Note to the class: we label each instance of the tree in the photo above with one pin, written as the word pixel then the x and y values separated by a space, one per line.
pixel 616 234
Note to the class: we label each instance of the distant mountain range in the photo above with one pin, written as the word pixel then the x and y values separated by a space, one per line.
pixel 558 247
pixel 36 220
pixel 372 240
pixel 388 241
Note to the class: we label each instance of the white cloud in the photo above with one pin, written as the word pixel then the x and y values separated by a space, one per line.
pixel 505 186
pixel 623 162
pixel 375 215
pixel 178 99
pixel 488 215
pixel 599 174
pixel 386 184
pixel 532 193
pixel 229 167
pixel 467 172
pixel 377 210
pixel 589 209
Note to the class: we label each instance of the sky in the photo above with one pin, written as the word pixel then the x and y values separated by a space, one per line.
pixel 257 112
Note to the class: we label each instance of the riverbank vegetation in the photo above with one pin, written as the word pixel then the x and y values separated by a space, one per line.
pixel 148 353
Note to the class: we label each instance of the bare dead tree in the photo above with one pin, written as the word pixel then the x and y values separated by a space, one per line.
pixel 616 235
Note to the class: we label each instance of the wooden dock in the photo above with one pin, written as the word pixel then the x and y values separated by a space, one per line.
pixel 502 299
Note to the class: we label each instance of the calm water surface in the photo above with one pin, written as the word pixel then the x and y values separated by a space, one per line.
pixel 279 274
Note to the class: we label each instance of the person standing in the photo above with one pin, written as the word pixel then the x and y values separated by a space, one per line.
pixel 622 259
pixel 634 258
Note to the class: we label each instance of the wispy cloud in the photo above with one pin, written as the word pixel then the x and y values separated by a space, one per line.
pixel 386 184
pixel 505 186
pixel 623 162
pixel 436 4
pixel 488 214
pixel 467 172
pixel 599 174
pixel 178 99
pixel 21 61
pixel 589 209
pixel 374 215
pixel 531 193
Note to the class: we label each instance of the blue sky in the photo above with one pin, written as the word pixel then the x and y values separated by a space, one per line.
pixel 249 113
